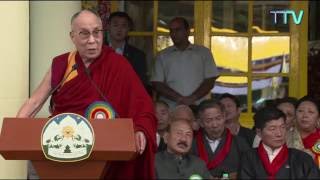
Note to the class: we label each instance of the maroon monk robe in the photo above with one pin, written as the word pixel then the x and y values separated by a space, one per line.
pixel 123 90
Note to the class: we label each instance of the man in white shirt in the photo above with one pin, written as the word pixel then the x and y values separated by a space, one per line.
pixel 273 159
pixel 184 73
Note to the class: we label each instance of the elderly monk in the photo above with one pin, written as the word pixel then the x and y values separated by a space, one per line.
pixel 95 73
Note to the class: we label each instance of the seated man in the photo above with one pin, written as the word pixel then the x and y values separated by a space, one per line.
pixel 185 112
pixel 232 106
pixel 288 106
pixel 215 144
pixel 162 114
pixel 176 162
pixel 273 159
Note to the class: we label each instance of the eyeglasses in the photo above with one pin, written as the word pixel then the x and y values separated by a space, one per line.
pixel 86 34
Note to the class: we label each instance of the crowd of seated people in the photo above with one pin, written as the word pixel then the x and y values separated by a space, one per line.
pixel 288 147
pixel 200 138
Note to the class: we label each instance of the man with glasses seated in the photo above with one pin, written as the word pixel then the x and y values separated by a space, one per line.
pixel 95 75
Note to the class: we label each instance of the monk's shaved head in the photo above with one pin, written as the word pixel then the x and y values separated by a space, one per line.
pixel 82 11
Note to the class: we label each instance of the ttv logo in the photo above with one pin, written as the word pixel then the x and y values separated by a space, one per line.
pixel 286 14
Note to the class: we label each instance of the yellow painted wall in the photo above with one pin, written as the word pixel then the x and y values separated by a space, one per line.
pixel 49 37
pixel 14 71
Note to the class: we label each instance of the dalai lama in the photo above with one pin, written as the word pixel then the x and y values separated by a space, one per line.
pixel 94 75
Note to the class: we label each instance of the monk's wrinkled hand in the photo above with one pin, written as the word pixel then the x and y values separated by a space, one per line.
pixel 140 141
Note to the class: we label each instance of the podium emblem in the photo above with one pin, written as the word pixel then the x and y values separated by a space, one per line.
pixel 67 137
pixel 100 110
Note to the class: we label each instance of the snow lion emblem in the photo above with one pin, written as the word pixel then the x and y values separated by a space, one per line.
pixel 67 137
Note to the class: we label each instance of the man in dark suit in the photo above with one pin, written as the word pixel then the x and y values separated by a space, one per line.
pixel 119 24
pixel 215 144
pixel 176 161
pixel 273 159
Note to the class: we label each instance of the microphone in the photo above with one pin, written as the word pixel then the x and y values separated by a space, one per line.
pixel 74 67
pixel 88 73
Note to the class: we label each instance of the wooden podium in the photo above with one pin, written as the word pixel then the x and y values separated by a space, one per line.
pixel 114 140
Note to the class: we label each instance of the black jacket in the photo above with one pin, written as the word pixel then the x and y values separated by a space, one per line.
pixel 137 59
pixel 299 165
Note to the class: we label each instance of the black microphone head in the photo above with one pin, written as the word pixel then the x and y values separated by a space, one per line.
pixel 87 70
pixel 75 66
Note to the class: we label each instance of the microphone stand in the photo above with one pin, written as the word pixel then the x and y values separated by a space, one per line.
pixel 37 109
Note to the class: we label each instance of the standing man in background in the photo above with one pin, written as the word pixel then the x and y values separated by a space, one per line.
pixel 184 73
pixel 119 24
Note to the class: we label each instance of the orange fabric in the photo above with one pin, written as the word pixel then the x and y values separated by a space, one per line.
pixel 71 63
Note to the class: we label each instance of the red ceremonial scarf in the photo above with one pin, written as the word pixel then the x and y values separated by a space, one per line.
pixel 220 156
pixel 277 163
pixel 309 143
pixel 117 80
